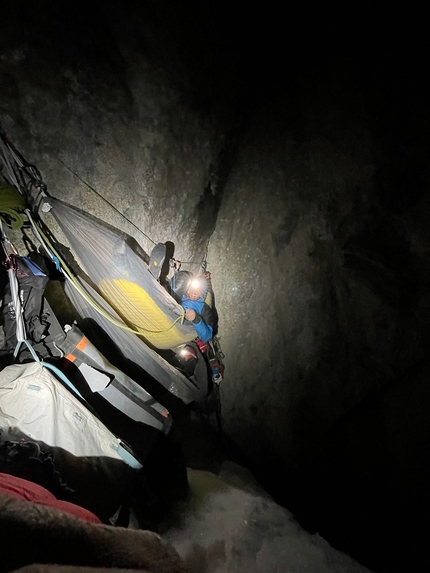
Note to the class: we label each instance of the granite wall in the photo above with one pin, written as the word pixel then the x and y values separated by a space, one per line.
pixel 304 175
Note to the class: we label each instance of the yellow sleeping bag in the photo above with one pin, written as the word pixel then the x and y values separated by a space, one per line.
pixel 142 313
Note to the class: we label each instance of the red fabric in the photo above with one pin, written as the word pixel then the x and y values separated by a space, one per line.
pixel 202 345
pixel 24 489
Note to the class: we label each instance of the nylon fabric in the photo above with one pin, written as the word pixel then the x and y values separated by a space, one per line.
pixel 137 308
pixel 113 385
pixel 30 399
pixel 123 278
pixel 131 347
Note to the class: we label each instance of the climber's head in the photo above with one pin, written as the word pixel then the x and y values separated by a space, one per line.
pixel 197 288
pixel 180 283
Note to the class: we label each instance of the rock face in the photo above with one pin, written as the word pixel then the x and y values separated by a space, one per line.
pixel 88 102
pixel 301 169
pixel 228 525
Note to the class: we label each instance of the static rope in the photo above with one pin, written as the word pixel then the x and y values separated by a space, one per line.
pixel 106 201
pixel 12 205
pixel 203 264
pixel 34 179
pixel 19 172
pixel 16 221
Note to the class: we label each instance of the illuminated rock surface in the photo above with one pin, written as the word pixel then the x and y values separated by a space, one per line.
pixel 297 154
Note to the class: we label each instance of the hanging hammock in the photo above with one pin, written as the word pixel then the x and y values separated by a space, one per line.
pixel 129 300
pixel 122 278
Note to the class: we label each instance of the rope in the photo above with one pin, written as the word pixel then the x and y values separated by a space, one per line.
pixel 106 201
pixel 5 241
pixel 203 263
pixel 12 204
pixel 7 151
pixel 12 201
pixel 71 277
pixel 34 179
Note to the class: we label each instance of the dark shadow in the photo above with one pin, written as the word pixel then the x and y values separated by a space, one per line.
pixel 170 252
pixel 134 246
pixel 100 484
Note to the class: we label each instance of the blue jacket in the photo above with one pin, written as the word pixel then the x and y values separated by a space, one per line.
pixel 204 321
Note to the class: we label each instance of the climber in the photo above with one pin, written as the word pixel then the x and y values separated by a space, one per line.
pixel 191 293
